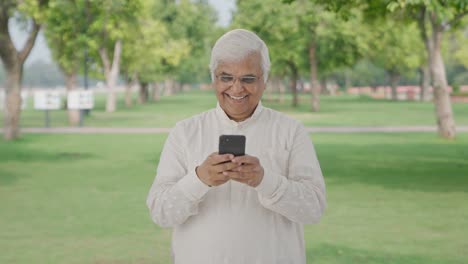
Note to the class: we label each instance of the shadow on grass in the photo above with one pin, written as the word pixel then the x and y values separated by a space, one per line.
pixel 18 152
pixel 7 177
pixel 327 253
pixel 21 151
pixel 430 167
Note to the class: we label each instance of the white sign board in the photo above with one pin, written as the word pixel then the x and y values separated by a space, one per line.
pixel 47 100
pixel 24 100
pixel 83 99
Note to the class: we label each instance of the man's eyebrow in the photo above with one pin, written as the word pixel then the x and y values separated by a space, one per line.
pixel 246 75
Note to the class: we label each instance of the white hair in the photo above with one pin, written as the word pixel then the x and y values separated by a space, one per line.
pixel 237 44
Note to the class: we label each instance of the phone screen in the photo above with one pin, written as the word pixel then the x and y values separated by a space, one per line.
pixel 232 144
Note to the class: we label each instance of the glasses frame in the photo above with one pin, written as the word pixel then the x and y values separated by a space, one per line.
pixel 245 80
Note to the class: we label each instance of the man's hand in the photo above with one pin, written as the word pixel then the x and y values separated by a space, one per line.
pixel 210 172
pixel 248 170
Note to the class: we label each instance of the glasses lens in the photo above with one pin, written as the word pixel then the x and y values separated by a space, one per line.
pixel 226 78
pixel 248 79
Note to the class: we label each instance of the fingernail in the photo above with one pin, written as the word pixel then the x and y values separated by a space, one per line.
pixel 225 173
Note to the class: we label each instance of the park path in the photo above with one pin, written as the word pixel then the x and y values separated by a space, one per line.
pixel 156 130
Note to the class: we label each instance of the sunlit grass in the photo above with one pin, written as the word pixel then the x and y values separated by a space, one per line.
pixel 392 198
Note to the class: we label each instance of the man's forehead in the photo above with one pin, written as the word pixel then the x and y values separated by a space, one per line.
pixel 248 65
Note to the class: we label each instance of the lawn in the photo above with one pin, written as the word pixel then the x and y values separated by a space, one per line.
pixel 392 198
pixel 344 110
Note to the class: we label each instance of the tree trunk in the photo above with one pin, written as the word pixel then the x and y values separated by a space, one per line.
pixel 12 109
pixel 177 87
pixel 314 83
pixel 394 80
pixel 276 87
pixel 282 90
pixel 111 72
pixel 347 79
pixel 443 105
pixel 156 92
pixel 169 86
pixel 13 61
pixel 130 82
pixel 323 86
pixel 425 70
pixel 424 82
pixel 128 94
pixel 73 114
pixel 293 83
pixel 144 93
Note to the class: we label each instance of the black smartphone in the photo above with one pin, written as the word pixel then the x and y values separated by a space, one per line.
pixel 232 144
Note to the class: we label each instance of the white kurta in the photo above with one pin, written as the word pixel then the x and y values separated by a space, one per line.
pixel 235 223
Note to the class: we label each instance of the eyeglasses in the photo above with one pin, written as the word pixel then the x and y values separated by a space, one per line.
pixel 229 79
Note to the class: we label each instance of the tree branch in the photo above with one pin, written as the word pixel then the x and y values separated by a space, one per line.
pixel 23 54
pixel 117 52
pixel 8 51
pixel 105 61
pixel 422 24
pixel 457 18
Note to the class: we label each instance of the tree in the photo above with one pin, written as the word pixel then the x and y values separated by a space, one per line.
pixel 32 12
pixel 434 17
pixel 396 48
pixel 305 38
pixel 194 22
pixel 66 36
pixel 277 24
pixel 440 15
pixel 150 49
pixel 110 22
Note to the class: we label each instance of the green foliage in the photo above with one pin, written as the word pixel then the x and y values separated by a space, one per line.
pixel 289 29
pixel 365 73
pixel 109 21
pixel 34 9
pixel 278 26
pixel 444 11
pixel 396 47
pixel 66 33
pixel 148 47
pixel 192 24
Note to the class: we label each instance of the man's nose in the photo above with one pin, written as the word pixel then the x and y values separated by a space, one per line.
pixel 237 85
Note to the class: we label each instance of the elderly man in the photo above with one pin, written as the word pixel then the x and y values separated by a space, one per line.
pixel 243 209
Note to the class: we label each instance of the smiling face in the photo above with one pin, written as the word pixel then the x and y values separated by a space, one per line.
pixel 239 96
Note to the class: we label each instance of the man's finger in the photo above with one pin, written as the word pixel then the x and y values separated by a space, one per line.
pixel 234 175
pixel 216 159
pixel 246 159
pixel 227 166
pixel 246 168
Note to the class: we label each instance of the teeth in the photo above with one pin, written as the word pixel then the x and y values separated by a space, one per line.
pixel 237 97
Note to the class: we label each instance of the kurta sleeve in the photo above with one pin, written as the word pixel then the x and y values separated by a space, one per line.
pixel 299 195
pixel 176 191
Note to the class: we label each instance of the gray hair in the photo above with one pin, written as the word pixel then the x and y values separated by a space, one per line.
pixel 236 45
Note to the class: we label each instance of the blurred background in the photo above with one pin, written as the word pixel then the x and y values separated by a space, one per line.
pixel 90 88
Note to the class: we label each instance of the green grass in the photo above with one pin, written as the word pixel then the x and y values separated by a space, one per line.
pixel 344 110
pixel 392 198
